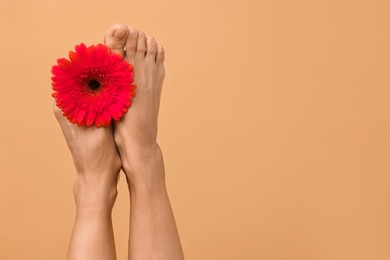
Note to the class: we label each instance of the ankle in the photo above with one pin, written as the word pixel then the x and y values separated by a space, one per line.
pixel 94 195
pixel 144 166
pixel 143 158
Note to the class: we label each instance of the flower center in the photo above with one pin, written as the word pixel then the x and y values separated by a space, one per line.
pixel 94 84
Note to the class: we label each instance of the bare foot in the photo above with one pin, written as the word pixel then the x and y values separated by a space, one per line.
pixel 153 233
pixel 135 135
pixel 96 160
pixel 97 164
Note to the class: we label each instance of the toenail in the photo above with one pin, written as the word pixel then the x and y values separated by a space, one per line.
pixel 140 33
pixel 119 34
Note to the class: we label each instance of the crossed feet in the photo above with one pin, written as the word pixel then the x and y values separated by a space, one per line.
pixel 100 153
pixel 95 150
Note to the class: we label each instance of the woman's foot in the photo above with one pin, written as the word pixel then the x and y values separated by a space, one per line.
pixel 97 164
pixel 96 160
pixel 135 135
pixel 153 233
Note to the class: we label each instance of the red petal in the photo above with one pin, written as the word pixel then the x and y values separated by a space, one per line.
pixel 82 106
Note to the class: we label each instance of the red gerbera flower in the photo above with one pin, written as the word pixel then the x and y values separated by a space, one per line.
pixel 94 86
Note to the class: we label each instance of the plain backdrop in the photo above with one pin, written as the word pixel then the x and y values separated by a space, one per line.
pixel 274 125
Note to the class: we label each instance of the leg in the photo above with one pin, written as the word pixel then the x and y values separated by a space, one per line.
pixel 153 232
pixel 97 164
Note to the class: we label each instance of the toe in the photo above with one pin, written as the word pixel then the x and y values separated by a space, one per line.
pixel 115 38
pixel 151 48
pixel 141 45
pixel 131 44
pixel 160 57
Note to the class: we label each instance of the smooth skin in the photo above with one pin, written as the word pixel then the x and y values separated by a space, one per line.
pixel 100 153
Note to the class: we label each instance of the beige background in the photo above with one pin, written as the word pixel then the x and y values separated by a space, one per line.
pixel 274 125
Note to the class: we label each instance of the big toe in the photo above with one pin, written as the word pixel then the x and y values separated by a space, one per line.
pixel 115 38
